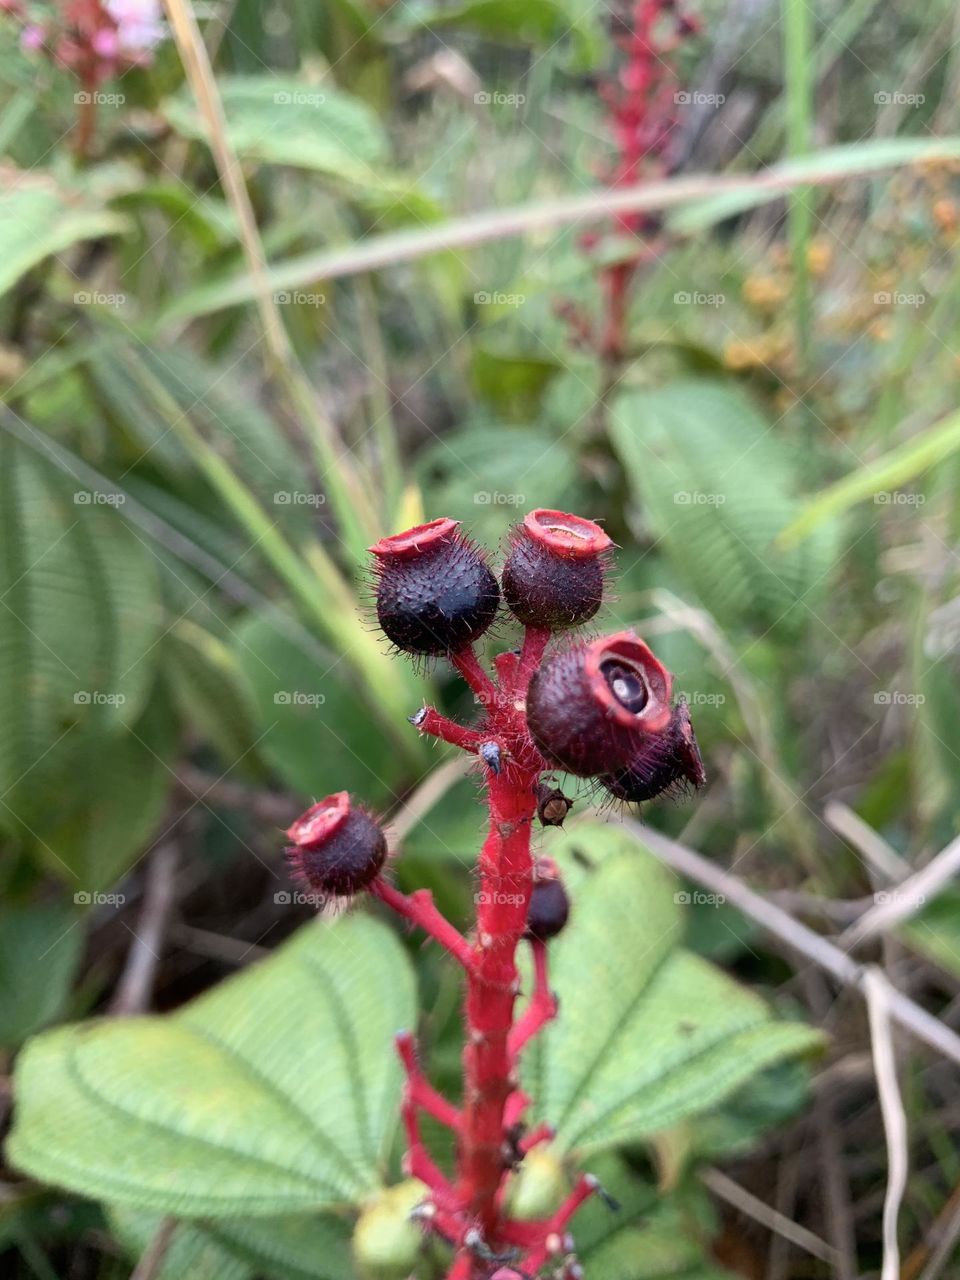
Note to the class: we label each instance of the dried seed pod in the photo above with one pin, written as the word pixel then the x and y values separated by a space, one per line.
pixel 665 762
pixel 435 591
pixel 336 847
pixel 555 570
pixel 590 707
pixel 552 806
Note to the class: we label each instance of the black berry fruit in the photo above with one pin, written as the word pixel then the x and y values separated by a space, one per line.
pixel 435 592
pixel 549 907
pixel 336 847
pixel 669 761
pixel 554 572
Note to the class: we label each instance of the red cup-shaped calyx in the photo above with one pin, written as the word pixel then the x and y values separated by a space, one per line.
pixel 554 573
pixel 590 707
pixel 435 591
pixel 665 763
pixel 336 847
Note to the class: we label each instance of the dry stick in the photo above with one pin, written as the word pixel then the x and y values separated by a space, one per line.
pixel 353 508
pixel 751 1206
pixel 797 936
pixel 136 982
pixel 881 856
pixel 949 1225
pixel 877 991
pixel 152 1258
pixel 910 896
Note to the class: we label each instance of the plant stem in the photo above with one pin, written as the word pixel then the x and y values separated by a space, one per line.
pixel 799 71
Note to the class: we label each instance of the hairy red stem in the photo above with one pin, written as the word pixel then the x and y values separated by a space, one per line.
pixel 419 909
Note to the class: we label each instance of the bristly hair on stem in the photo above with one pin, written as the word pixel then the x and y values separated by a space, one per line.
pixel 436 596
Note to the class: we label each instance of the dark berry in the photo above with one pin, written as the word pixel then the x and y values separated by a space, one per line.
pixel 549 907
pixel 590 707
pixel 435 592
pixel 336 847
pixel 554 573
pixel 665 762
pixel 552 806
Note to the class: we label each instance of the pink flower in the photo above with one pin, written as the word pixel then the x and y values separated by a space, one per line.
pixel 139 27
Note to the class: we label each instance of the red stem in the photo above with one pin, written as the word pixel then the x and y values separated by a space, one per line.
pixel 468 664
pixel 429 720
pixel 541 1009
pixel 419 909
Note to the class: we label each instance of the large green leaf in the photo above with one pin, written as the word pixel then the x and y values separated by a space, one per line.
pixel 275 1093
pixel 281 120
pixel 40 946
pixel 79 620
pixel 648 1033
pixel 317 730
pixel 39 217
pixel 717 484
pixel 314 1247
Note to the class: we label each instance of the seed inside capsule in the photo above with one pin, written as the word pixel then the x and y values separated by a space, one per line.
pixel 626 684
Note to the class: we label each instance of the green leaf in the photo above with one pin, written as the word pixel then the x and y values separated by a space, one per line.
pixel 39 217
pixel 40 946
pixel 212 692
pixel 715 484
pixel 79 622
pixel 537 22
pixel 314 1247
pixel 649 1033
pixel 277 1092
pixel 279 120
pixel 935 931
pixel 317 728
pixel 877 479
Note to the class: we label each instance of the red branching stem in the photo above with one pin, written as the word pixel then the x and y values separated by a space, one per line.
pixel 419 1163
pixel 468 664
pixel 429 720
pixel 419 909
pixel 551 1232
pixel 535 641
pixel 419 1089
pixel 541 1009
pixel 541 1133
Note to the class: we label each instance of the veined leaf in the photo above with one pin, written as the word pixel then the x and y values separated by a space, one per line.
pixel 280 120
pixel 39 217
pixel 714 483
pixel 40 946
pixel 275 1093
pixel 650 1033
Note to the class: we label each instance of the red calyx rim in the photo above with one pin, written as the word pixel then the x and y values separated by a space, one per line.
pixel 420 538
pixel 632 652
pixel 566 535
pixel 315 827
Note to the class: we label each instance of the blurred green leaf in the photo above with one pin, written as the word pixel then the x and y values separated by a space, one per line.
pixel 715 484
pixel 212 692
pixel 276 1092
pixel 537 22
pixel 316 729
pixel 650 1033
pixel 39 217
pixel 40 948
pixel 78 626
pixel 288 1248
pixel 283 120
